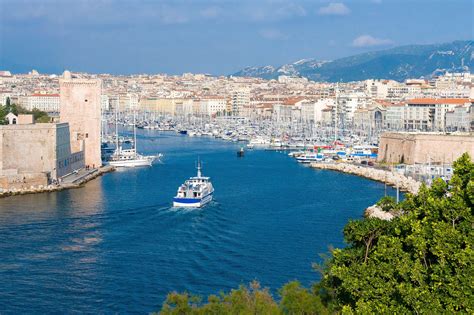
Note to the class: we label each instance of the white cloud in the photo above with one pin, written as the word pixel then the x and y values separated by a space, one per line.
pixel 334 8
pixel 290 10
pixel 273 34
pixel 368 41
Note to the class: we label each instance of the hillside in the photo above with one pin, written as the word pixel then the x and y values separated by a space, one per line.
pixel 399 63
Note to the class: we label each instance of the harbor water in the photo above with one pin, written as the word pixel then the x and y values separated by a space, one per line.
pixel 117 245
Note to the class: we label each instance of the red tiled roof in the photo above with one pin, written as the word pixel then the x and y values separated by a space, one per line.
pixel 438 101
pixel 293 101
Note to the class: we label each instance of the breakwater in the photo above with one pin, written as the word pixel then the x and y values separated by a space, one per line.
pixel 76 183
pixel 390 178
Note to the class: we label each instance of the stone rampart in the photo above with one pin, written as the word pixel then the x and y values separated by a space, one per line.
pixel 423 148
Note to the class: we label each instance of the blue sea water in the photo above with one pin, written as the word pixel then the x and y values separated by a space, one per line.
pixel 117 245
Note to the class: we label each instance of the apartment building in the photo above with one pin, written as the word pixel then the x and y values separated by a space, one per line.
pixel 42 101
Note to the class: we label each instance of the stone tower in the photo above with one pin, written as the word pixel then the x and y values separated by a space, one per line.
pixel 80 101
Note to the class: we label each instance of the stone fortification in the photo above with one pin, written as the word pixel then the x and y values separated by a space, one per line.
pixel 414 148
pixel 80 107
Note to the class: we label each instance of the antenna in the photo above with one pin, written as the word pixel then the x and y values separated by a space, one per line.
pixel 198 167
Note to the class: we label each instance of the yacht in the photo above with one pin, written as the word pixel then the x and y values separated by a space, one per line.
pixel 130 157
pixel 310 157
pixel 259 142
pixel 195 192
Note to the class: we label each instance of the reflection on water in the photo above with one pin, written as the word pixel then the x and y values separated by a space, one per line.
pixel 117 245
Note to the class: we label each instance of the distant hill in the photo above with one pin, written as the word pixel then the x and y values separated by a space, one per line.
pixel 399 63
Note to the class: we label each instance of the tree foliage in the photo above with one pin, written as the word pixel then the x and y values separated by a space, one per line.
pixel 38 115
pixel 419 262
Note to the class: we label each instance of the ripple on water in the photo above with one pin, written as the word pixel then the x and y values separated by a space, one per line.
pixel 117 246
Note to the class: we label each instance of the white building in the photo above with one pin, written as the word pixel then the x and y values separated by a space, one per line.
pixel 394 117
pixel 428 114
pixel 460 119
pixel 104 102
pixel 348 103
pixel 240 99
pixel 313 111
pixel 211 106
pixel 45 102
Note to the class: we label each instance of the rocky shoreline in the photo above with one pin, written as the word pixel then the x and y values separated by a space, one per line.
pixel 390 178
pixel 51 188
pixel 394 179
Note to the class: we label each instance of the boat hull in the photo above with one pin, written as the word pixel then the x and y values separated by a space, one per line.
pixel 132 163
pixel 192 202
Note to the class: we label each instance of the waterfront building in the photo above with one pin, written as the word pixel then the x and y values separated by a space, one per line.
pixel 212 105
pixel 371 118
pixel 424 148
pixel 81 108
pixel 428 114
pixel 394 116
pixel 460 118
pixel 158 105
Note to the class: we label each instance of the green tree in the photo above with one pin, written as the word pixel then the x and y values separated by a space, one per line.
pixel 38 115
pixel 246 300
pixel 298 300
pixel 420 262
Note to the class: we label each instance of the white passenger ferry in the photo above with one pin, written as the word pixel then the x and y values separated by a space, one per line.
pixel 195 192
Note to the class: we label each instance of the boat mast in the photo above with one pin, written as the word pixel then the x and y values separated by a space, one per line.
pixel 336 113
pixel 117 148
pixel 134 132
pixel 199 168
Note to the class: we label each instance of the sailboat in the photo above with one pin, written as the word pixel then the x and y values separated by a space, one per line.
pixel 129 157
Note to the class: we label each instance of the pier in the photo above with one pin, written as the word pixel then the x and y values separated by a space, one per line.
pixel 71 181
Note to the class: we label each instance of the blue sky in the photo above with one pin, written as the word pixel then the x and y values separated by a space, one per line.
pixel 217 37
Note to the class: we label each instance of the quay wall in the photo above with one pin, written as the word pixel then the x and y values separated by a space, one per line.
pixel 23 181
pixel 391 178
pixel 41 186
pixel 423 148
